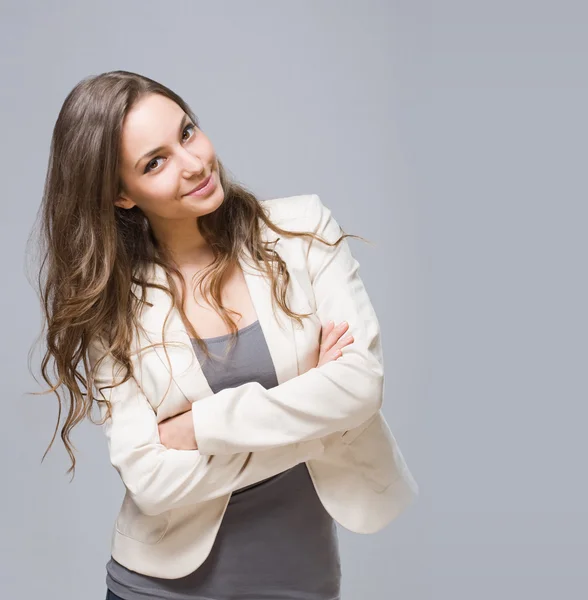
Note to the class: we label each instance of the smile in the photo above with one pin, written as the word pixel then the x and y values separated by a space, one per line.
pixel 204 187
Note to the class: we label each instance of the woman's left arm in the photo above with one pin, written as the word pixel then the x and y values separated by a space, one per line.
pixel 336 396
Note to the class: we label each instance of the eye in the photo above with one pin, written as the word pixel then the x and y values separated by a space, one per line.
pixel 153 160
pixel 187 126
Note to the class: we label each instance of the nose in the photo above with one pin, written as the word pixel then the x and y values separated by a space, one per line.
pixel 191 164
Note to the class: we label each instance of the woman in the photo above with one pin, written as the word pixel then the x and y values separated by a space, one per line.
pixel 205 320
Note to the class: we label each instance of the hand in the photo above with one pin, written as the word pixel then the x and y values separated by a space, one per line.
pixel 332 341
pixel 178 432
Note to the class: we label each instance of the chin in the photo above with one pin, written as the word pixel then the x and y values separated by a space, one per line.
pixel 213 202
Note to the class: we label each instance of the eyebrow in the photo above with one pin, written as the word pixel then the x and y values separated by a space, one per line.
pixel 160 148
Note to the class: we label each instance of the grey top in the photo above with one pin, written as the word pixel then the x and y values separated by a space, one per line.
pixel 276 540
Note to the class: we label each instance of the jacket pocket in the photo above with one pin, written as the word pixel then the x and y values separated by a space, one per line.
pixel 351 434
pixel 374 451
pixel 147 529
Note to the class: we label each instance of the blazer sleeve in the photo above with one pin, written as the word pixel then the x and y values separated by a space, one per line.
pixel 159 479
pixel 337 396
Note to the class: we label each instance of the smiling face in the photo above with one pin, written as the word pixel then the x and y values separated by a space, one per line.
pixel 158 181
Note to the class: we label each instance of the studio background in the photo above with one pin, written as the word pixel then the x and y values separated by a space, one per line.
pixel 450 134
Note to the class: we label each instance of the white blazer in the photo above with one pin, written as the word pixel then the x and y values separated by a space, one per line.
pixel 328 417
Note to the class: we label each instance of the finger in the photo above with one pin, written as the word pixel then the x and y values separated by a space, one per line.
pixel 345 341
pixel 326 334
pixel 326 330
pixel 336 351
pixel 334 354
pixel 336 334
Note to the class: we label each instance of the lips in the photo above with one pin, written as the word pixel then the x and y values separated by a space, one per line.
pixel 200 185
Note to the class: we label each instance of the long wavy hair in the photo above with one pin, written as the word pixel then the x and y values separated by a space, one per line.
pixel 93 254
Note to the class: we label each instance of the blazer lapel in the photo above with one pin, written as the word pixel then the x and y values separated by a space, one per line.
pixel 185 369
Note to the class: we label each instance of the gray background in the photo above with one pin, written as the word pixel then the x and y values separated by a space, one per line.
pixel 452 135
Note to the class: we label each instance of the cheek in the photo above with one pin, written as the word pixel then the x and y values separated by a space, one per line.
pixel 158 192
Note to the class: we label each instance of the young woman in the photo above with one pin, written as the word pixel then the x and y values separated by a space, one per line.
pixel 243 423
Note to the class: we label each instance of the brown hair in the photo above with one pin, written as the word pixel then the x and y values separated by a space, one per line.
pixel 94 253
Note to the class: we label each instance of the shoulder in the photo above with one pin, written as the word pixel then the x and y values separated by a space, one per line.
pixel 306 208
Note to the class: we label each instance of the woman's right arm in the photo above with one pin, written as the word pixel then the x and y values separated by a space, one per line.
pixel 160 478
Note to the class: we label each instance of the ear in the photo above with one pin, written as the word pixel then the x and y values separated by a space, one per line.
pixel 124 202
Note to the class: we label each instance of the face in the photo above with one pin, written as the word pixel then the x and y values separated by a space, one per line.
pixel 157 182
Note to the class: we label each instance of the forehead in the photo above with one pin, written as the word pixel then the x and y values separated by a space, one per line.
pixel 152 122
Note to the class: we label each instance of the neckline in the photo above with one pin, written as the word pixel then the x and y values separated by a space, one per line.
pixel 227 335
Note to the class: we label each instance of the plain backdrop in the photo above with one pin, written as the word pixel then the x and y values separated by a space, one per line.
pixel 450 134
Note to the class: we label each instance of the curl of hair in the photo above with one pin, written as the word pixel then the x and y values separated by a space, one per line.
pixel 95 253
